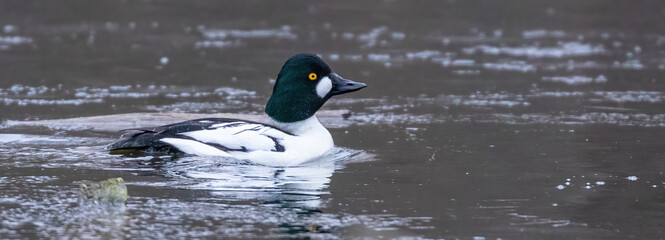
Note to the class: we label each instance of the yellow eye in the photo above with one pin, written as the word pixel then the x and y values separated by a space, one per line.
pixel 312 76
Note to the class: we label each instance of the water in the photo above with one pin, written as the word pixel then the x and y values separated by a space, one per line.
pixel 483 119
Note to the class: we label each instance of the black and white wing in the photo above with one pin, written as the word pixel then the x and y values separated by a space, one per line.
pixel 207 136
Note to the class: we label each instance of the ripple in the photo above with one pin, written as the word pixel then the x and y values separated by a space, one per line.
pixel 542 33
pixel 217 44
pixel 57 213
pixel 565 49
pixel 519 66
pixel 23 95
pixel 423 55
pixel 24 138
pixel 291 196
pixel 202 107
pixel 283 33
pixel 631 96
pixel 6 42
pixel 619 119
pixel 575 80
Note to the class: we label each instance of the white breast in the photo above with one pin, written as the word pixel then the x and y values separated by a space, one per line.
pixel 310 140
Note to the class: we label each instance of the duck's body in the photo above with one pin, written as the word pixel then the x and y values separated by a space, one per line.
pixel 290 144
pixel 295 135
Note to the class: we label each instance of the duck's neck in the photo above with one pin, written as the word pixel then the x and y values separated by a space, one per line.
pixel 303 127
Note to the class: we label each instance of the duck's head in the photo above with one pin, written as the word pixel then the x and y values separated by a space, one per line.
pixel 303 85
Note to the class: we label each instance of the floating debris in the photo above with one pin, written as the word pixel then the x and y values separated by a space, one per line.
pixel 112 190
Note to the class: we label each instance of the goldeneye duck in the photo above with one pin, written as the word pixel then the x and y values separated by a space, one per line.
pixel 295 135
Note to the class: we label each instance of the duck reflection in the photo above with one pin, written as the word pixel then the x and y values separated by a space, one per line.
pixel 296 186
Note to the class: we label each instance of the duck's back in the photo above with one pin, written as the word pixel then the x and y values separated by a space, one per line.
pixel 207 136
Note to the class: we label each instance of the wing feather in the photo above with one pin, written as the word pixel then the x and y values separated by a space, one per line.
pixel 221 134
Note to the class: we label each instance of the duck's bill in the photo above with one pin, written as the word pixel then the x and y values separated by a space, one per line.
pixel 342 85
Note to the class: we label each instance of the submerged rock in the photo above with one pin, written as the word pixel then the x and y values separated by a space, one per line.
pixel 112 190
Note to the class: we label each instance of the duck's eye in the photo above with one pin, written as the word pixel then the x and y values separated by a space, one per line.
pixel 312 76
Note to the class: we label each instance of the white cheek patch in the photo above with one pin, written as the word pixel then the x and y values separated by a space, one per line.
pixel 324 87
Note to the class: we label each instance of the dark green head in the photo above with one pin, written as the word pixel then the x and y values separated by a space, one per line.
pixel 303 85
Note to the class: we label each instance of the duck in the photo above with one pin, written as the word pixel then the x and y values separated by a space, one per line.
pixel 294 135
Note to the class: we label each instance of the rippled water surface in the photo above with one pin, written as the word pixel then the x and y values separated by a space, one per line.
pixel 481 119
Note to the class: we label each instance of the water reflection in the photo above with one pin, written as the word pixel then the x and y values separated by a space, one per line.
pixel 231 179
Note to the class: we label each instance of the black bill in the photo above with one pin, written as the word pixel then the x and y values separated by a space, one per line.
pixel 342 85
